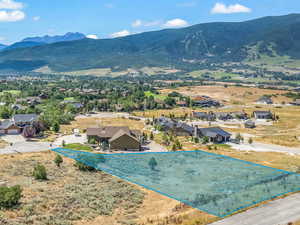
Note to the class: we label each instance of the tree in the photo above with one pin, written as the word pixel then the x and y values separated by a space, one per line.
pixel 39 172
pixel 58 160
pixel 151 136
pixel 82 167
pixel 250 141
pixel 56 127
pixel 63 143
pixel 9 196
pixel 152 163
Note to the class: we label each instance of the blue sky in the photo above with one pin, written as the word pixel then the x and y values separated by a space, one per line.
pixel 113 18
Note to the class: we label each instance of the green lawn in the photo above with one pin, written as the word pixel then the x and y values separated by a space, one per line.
pixel 69 99
pixel 13 92
pixel 79 147
pixel 156 96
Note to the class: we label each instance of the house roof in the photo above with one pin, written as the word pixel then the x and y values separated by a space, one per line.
pixel 121 133
pixel 106 132
pixel 213 132
pixel 5 124
pixel 19 118
pixel 262 113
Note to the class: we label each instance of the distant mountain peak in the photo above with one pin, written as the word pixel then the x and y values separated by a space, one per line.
pixel 70 36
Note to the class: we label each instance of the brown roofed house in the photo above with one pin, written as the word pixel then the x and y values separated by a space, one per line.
pixel 117 138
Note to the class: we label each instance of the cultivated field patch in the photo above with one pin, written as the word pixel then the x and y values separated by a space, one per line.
pixel 213 183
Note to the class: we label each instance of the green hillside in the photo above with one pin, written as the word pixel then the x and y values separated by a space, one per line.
pixel 181 48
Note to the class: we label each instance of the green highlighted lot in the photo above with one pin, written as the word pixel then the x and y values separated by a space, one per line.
pixel 213 183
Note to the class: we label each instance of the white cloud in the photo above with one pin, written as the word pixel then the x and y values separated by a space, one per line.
pixel 10 4
pixel 140 23
pixel 175 23
pixel 11 16
pixel 221 8
pixel 36 18
pixel 186 4
pixel 137 23
pixel 121 33
pixel 92 36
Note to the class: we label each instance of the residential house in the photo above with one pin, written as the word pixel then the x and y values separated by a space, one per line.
pixel 8 127
pixel 18 123
pixel 214 134
pixel 22 120
pixel 239 115
pixel 181 103
pixel 116 138
pixel 223 116
pixel 296 102
pixel 249 124
pixel 205 101
pixel 265 100
pixel 204 116
pixel 172 126
pixel 262 115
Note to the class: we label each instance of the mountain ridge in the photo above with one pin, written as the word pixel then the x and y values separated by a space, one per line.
pixel 207 42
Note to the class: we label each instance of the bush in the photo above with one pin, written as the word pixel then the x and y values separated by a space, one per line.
pixel 10 196
pixel 39 172
pixel 58 160
pixel 82 167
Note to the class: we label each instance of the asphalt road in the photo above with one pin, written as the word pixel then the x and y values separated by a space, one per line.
pixel 20 145
pixel 278 212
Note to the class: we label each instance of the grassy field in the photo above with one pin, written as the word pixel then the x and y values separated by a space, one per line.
pixel 79 147
pixel 155 96
pixel 231 94
pixel 12 92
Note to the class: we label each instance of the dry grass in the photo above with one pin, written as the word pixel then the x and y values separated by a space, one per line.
pixel 84 123
pixel 231 94
pixel 68 196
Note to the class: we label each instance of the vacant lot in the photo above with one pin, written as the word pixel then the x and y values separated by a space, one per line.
pixel 231 94
pixel 92 198
pixel 84 123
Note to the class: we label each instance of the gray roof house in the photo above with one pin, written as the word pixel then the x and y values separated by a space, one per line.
pixel 178 128
pixel 204 116
pixel 24 119
pixel 264 100
pixel 215 134
pixel 262 115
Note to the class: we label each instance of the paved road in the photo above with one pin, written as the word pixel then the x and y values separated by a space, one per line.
pixel 260 147
pixel 20 145
pixel 278 212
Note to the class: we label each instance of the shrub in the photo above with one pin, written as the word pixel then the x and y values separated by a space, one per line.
pixel 9 196
pixel 82 167
pixel 58 160
pixel 152 163
pixel 39 172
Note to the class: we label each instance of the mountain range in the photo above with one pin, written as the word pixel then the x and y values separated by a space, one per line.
pixel 47 39
pixel 185 47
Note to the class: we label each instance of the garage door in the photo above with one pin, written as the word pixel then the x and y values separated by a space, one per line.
pixel 13 131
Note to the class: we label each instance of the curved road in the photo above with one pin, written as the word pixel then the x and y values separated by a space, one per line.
pixel 278 212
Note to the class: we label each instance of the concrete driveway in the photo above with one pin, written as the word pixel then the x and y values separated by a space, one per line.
pixel 278 212
pixel 69 139
pixel 20 145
